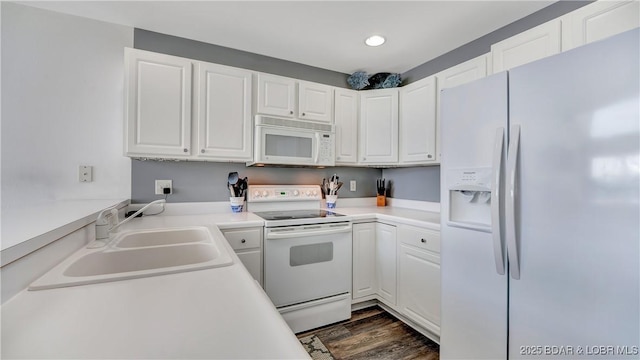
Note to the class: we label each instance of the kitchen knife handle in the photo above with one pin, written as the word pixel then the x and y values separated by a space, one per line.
pixel 496 228
pixel 510 204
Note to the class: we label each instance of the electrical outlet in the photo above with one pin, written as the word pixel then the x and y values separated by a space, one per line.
pixel 352 185
pixel 85 173
pixel 162 184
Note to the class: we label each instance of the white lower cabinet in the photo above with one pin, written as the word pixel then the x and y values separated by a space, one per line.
pixel 419 276
pixel 399 265
pixel 386 263
pixel 364 260
pixel 247 243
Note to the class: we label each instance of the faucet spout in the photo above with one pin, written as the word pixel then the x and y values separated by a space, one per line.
pixel 107 222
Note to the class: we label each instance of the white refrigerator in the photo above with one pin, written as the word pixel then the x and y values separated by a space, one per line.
pixel 540 202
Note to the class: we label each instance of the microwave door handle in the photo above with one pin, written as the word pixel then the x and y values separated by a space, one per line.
pixel 315 158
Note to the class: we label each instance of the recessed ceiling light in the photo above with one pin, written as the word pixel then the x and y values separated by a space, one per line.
pixel 375 40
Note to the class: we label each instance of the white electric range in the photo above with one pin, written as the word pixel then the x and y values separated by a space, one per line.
pixel 307 255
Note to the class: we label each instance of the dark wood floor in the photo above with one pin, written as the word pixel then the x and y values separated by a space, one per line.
pixel 372 333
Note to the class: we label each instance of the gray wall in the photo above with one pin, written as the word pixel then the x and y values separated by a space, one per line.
pixel 416 183
pixel 483 44
pixel 206 181
pixel 177 46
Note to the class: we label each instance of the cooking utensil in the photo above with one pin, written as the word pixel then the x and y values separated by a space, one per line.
pixel 233 178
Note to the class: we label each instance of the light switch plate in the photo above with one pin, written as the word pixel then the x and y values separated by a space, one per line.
pixel 352 185
pixel 85 173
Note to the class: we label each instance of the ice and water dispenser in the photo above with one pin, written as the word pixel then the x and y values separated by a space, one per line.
pixel 470 198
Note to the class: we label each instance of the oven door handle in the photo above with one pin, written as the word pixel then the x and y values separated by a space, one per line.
pixel 297 234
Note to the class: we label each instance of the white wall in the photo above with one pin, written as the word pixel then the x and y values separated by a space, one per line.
pixel 62 106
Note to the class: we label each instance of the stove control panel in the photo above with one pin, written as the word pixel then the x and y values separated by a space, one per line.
pixel 274 193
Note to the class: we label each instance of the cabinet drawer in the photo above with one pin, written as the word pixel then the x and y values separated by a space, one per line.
pixel 421 238
pixel 243 238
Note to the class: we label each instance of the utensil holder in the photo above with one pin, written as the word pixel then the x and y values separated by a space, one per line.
pixel 381 200
pixel 237 204
pixel 331 201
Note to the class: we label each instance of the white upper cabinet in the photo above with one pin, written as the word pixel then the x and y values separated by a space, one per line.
pixel 223 108
pixel 315 102
pixel 597 21
pixel 417 123
pixel 468 71
pixel 158 104
pixel 346 124
pixel 536 43
pixel 378 127
pixel 276 95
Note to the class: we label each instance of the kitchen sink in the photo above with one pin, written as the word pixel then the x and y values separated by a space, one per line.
pixel 162 237
pixel 138 254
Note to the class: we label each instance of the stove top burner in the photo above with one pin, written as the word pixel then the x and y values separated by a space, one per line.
pixel 296 214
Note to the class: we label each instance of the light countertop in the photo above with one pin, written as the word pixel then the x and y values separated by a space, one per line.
pixel 425 219
pixel 219 313
pixel 213 313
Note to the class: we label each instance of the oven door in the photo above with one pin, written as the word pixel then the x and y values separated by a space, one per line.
pixel 307 262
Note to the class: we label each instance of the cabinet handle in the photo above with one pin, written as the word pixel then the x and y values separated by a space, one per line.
pixel 364 158
pixel 185 150
pixel 243 241
pixel 202 151
pixel 290 112
pixel 424 241
pixel 303 114
pixel 429 156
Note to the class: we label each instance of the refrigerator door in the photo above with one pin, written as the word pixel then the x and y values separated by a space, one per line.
pixel 577 204
pixel 474 294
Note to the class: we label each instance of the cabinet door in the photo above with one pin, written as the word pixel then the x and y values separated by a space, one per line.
pixel 536 43
pixel 468 71
pixel 419 287
pixel 252 260
pixel 276 95
pixel 223 106
pixel 597 21
pixel 378 126
pixel 315 102
pixel 364 257
pixel 386 262
pixel 247 243
pixel 158 104
pixel 346 118
pixel 417 124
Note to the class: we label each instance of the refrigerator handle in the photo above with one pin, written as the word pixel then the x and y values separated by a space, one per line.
pixel 498 244
pixel 510 203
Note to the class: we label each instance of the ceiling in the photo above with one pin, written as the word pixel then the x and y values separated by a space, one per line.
pixel 325 34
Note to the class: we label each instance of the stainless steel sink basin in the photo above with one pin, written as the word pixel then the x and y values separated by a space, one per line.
pixel 139 254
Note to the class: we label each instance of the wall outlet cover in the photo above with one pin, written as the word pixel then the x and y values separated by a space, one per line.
pixel 352 185
pixel 161 184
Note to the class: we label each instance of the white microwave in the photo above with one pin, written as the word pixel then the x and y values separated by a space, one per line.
pixel 292 142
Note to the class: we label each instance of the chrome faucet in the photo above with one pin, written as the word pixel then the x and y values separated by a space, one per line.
pixel 107 223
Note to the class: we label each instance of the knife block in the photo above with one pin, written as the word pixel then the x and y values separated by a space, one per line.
pixel 381 200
